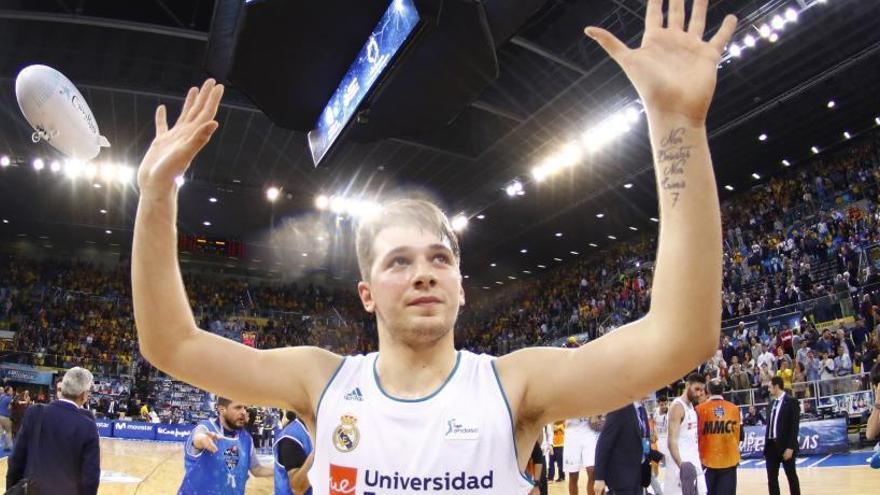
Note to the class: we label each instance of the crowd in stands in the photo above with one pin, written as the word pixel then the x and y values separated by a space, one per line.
pixel 800 237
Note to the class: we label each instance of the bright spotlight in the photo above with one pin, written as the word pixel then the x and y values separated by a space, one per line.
pixel 774 37
pixel 756 176
pixel 877 120
pixel 322 202
pixel 55 166
pixel 180 181
pixel 124 174
pixel 846 135
pixel 815 150
pixel 539 173
pixel 762 137
pixel 570 155
pixel 39 164
pixel 600 215
pixel 72 168
pixel 765 31
pixel 90 170
pixel 777 22
pixel 459 222
pixel 514 188
pixel 655 219
pixel 831 104
pixel 5 161
pixel 728 187
pixel 632 115
pixel 786 163
pixel 272 193
pixel 735 50
pixel 791 15
pixel 750 41
pixel 108 172
pixel 627 185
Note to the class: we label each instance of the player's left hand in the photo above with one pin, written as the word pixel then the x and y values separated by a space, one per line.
pixel 787 454
pixel 674 70
pixel 598 487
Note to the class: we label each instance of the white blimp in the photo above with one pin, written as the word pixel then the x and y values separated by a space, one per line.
pixel 58 112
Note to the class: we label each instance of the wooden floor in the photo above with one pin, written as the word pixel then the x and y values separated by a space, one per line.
pixel 130 467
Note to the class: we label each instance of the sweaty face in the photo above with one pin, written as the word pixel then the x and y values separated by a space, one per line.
pixel 415 285
pixel 235 415
pixel 695 392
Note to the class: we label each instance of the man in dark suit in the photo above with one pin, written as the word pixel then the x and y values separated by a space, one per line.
pixel 65 457
pixel 621 451
pixel 781 439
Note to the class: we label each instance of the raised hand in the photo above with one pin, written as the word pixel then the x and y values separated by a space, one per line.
pixel 173 149
pixel 674 71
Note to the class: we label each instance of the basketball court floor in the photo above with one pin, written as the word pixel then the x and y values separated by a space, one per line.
pixel 138 467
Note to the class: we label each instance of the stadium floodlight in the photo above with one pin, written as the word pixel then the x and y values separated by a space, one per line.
pixel 39 164
pixel 5 161
pixel 749 41
pixel 459 222
pixel 322 202
pixel 756 176
pixel 272 193
pixel 735 50
pixel 55 166
pixel 777 22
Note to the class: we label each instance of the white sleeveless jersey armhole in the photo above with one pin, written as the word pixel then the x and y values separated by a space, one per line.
pixel 458 440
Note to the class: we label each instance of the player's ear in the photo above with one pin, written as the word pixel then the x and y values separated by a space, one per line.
pixel 366 294
pixel 461 295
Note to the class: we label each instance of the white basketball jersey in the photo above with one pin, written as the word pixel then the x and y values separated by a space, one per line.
pixel 458 440
pixel 688 434
pixel 661 422
pixel 579 428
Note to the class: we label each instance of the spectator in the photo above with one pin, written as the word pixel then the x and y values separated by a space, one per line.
pixel 5 422
pixel 58 444
pixel 754 417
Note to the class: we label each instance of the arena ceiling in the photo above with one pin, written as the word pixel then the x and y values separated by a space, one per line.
pixel 127 57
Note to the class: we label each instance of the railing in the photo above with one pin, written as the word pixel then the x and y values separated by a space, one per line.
pixel 840 385
pixel 833 304
pixel 113 367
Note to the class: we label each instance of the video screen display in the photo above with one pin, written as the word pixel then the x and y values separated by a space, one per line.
pixel 388 37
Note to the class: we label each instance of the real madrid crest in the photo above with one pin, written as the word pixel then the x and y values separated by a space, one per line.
pixel 346 436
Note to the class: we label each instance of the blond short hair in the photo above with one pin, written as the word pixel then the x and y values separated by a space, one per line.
pixel 402 213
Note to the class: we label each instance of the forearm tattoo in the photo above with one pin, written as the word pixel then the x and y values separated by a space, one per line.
pixel 671 160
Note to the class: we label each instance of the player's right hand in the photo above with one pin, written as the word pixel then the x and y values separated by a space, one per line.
pixel 173 149
pixel 205 441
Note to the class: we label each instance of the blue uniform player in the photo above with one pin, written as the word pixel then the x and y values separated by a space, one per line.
pixel 219 453
pixel 293 457
pixel 5 422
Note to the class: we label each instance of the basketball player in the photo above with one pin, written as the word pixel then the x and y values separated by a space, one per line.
pixel 579 450
pixel 661 418
pixel 720 429
pixel 457 420
pixel 683 466
pixel 219 453
pixel 293 457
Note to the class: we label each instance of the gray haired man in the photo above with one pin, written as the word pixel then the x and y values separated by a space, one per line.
pixel 57 447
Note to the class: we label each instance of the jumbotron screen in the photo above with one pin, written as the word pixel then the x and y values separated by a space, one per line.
pixel 386 40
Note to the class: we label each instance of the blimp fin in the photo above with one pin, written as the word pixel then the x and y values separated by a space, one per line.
pixel 102 142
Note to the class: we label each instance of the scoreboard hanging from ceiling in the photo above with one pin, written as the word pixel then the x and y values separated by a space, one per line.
pixel 213 246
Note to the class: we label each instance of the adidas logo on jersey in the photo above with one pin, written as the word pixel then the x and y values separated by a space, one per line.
pixel 355 395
